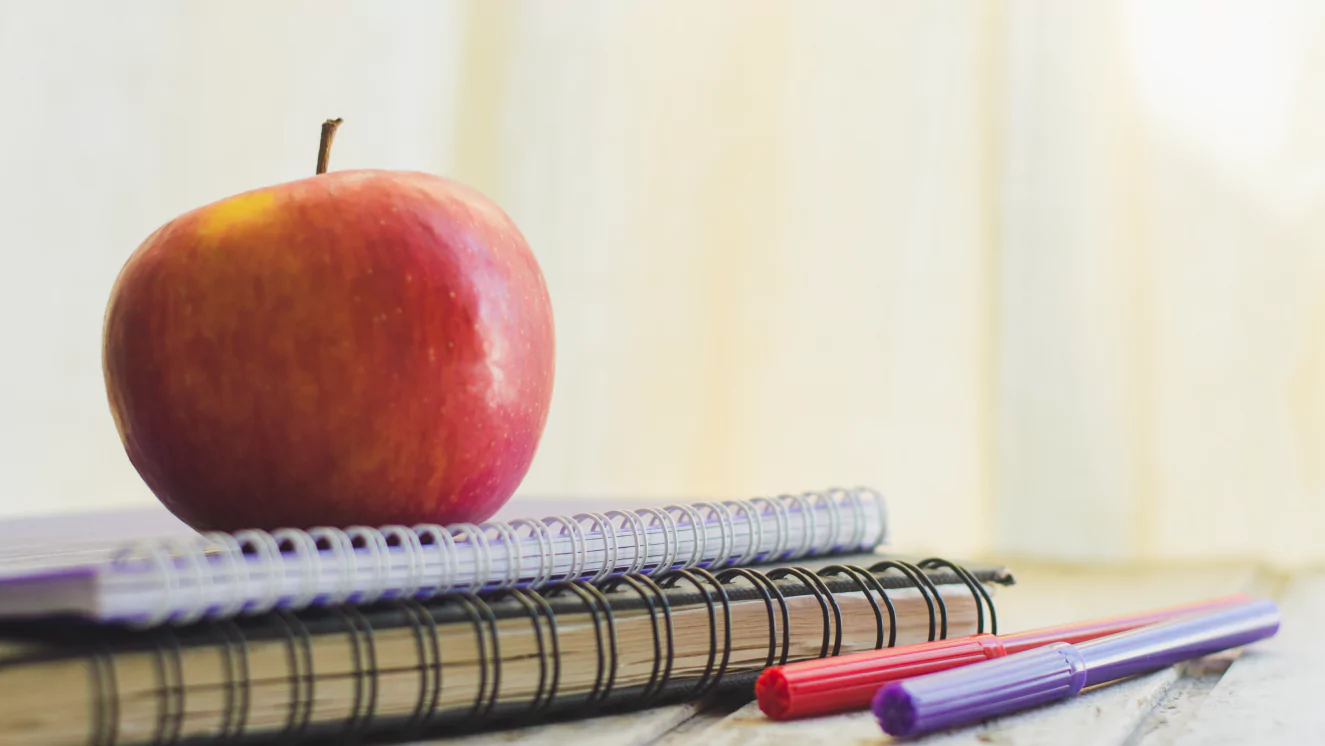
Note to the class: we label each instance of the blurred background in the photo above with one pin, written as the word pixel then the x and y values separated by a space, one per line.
pixel 1051 275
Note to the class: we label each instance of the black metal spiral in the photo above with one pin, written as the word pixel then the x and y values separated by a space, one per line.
pixel 492 615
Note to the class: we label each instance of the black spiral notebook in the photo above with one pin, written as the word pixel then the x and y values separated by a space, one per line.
pixel 406 668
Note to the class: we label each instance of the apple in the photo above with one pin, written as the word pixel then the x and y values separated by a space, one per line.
pixel 359 347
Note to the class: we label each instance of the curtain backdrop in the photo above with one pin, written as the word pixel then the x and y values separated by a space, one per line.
pixel 1052 275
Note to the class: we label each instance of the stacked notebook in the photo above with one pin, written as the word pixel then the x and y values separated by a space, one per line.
pixel 397 632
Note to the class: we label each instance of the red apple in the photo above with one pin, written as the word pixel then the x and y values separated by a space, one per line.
pixel 358 347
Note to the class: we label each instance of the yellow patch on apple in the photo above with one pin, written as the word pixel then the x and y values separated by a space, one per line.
pixel 236 210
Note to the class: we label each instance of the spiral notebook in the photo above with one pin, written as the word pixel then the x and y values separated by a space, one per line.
pixel 183 577
pixel 406 668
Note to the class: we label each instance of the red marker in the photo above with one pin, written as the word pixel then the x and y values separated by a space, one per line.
pixel 849 682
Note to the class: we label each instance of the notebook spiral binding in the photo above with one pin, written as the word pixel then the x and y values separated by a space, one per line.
pixel 288 567
pixel 362 721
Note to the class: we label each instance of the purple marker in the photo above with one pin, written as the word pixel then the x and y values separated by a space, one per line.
pixel 1062 670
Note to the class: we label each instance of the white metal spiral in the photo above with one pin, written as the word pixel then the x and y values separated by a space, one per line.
pixel 251 572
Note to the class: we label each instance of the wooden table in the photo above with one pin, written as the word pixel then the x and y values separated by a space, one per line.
pixel 1271 693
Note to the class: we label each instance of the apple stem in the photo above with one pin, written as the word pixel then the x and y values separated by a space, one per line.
pixel 324 146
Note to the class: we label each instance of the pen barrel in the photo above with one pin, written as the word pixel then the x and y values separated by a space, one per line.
pixel 1084 631
pixel 1061 670
pixel 1154 647
pixel 849 682
pixel 963 695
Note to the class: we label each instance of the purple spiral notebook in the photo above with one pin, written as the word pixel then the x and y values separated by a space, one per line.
pixel 144 567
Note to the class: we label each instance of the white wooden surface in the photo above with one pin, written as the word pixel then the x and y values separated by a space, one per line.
pixel 1267 694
